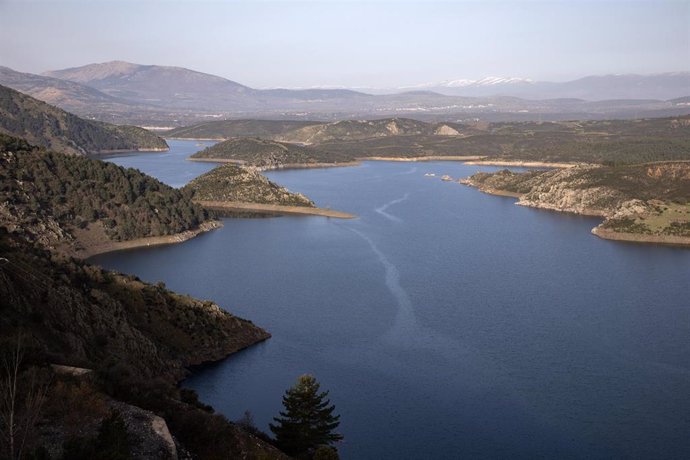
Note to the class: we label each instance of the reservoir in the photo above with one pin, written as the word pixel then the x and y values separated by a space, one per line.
pixel 444 322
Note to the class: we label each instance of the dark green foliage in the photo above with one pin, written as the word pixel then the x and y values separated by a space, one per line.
pixel 269 154
pixel 308 420
pixel 237 183
pixel 78 191
pixel 51 127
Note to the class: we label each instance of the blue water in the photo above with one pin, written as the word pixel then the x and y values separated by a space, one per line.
pixel 445 323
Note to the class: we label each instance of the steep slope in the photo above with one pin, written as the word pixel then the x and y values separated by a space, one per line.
pixel 646 202
pixel 72 203
pixel 47 126
pixel 268 154
pixel 239 184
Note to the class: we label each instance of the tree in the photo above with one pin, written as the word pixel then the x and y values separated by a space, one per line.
pixel 308 420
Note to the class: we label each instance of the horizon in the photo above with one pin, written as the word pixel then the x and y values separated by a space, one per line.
pixel 338 44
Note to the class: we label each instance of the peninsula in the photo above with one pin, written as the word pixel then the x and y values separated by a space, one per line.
pixel 640 203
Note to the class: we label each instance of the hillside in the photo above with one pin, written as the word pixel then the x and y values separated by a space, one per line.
pixel 240 184
pixel 644 202
pixel 268 154
pixel 226 129
pixel 606 141
pixel 47 126
pixel 350 130
pixel 130 342
pixel 164 86
pixel 72 203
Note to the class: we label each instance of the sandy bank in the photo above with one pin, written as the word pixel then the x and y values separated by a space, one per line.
pixel 273 209
pixel 92 248
pixel 668 240
pixel 427 158
pixel 523 164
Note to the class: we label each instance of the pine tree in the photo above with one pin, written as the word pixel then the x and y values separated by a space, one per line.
pixel 308 420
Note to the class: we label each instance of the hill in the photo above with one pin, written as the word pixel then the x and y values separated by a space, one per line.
pixel 645 202
pixel 73 204
pixel 225 129
pixel 349 130
pixel 47 126
pixel 239 184
pixel 162 86
pixel 605 141
pixel 267 154
pixel 96 345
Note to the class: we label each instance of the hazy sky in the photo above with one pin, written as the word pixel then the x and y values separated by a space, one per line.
pixel 375 43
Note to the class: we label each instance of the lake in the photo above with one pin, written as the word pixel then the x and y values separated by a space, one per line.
pixel 444 322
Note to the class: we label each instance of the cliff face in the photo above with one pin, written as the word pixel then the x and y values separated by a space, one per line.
pixel 240 184
pixel 645 202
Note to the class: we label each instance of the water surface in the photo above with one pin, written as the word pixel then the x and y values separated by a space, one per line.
pixel 445 323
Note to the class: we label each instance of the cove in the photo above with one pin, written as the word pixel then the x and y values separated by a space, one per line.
pixel 445 323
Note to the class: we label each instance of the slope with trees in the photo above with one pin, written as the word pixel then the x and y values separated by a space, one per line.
pixel 47 126
pixel 68 202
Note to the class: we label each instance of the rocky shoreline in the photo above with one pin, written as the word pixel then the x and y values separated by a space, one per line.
pixel 625 197
pixel 237 206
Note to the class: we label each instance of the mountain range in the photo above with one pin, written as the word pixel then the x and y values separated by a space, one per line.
pixel 123 92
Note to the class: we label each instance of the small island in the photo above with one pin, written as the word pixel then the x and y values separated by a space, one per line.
pixel 647 203
pixel 232 189
pixel 267 154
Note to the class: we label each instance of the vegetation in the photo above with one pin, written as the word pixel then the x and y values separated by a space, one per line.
pixel 73 193
pixel 47 126
pixel 308 422
pixel 610 142
pixel 268 154
pixel 226 129
pixel 646 199
pixel 237 183
pixel 137 338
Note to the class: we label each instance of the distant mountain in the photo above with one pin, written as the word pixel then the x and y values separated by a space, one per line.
pixel 48 126
pixel 592 88
pixel 151 95
pixel 162 86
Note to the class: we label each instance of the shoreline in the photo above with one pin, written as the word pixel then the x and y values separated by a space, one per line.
pixel 665 240
pixel 599 231
pixel 150 241
pixel 523 164
pixel 273 209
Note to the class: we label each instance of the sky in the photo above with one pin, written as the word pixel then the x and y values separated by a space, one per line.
pixel 376 44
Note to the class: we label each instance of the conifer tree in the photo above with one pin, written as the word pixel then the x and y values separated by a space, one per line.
pixel 307 421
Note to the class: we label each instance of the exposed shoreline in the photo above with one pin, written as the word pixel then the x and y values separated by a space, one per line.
pixel 112 246
pixel 523 164
pixel 273 209
pixel 666 240
pixel 599 231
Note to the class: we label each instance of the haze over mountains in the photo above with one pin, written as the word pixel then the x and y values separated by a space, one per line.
pixel 160 95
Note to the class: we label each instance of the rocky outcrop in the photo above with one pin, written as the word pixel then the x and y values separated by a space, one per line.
pixel 647 202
